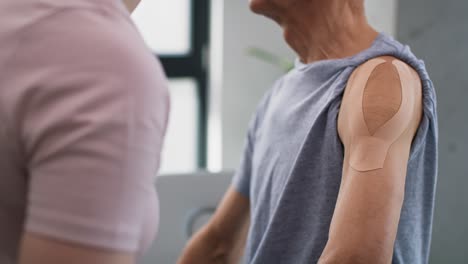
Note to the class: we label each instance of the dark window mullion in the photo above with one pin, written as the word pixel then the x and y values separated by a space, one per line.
pixel 179 67
pixel 191 65
pixel 200 38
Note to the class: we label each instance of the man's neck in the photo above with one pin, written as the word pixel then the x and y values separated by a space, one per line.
pixel 319 30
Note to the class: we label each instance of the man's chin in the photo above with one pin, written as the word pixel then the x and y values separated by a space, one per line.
pixel 131 4
pixel 265 8
pixel 258 6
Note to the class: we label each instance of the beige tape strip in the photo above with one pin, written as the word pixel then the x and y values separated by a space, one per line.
pixel 369 152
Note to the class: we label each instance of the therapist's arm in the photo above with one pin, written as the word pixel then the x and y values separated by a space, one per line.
pixel 91 122
pixel 222 240
pixel 367 213
pixel 51 251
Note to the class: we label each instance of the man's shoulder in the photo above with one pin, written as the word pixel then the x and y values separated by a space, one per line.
pixel 381 90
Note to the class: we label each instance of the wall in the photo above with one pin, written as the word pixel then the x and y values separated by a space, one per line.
pixel 181 196
pixel 382 15
pixel 437 32
pixel 246 79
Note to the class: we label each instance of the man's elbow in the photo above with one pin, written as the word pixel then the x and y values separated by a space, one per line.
pixel 355 257
pixel 349 260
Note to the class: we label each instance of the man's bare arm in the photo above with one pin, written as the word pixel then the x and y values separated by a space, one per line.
pixel 379 117
pixel 222 240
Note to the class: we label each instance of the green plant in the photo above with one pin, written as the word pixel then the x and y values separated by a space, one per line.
pixel 271 58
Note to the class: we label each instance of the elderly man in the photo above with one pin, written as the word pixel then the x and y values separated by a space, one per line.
pixel 340 160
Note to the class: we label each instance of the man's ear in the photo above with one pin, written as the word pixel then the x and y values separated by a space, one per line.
pixel 131 4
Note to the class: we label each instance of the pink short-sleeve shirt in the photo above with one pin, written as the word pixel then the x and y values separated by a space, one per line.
pixel 83 113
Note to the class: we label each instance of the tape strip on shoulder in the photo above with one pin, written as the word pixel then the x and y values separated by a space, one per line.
pixel 369 152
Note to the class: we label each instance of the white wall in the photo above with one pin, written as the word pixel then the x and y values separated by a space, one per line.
pixel 245 79
pixel 382 14
pixel 438 34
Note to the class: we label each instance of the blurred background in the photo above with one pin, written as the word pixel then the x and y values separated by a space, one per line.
pixel 216 81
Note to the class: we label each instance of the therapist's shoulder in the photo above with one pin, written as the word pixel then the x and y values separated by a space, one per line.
pixel 92 39
pixel 95 48
pixel 91 57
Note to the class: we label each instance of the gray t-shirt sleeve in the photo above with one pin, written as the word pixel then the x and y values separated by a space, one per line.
pixel 241 180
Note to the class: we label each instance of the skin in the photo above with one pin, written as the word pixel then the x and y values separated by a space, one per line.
pixel 222 240
pixel 52 251
pixel 365 221
pixel 131 4
pixel 318 29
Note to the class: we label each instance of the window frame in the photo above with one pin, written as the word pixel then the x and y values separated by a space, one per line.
pixel 194 65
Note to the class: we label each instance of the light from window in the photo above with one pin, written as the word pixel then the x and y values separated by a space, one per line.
pixel 165 25
pixel 180 150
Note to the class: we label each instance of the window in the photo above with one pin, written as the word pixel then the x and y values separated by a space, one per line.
pixel 165 25
pixel 178 32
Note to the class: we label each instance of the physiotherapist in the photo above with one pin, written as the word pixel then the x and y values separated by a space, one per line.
pixel 83 113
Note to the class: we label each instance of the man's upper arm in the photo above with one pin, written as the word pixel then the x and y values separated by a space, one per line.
pixel 380 114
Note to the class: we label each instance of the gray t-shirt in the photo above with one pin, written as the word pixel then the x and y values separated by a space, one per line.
pixel 292 165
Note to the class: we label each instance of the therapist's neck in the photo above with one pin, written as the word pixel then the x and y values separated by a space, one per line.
pixel 319 30
pixel 131 4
